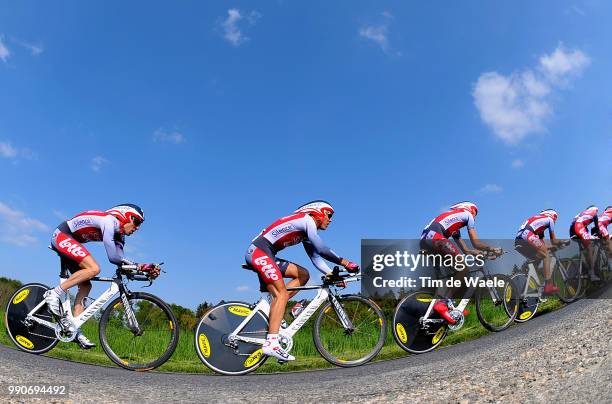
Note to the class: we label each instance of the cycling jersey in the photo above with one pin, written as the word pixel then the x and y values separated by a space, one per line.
pixel 435 235
pixel 285 232
pixel 449 223
pixel 92 225
pixel 581 222
pixel 537 224
pixel 604 221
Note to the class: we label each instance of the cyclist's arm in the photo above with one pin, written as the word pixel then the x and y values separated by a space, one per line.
pixel 479 245
pixel 464 247
pixel 114 249
pixel 316 259
pixel 319 246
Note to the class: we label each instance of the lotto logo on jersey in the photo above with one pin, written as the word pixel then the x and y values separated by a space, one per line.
pixel 72 248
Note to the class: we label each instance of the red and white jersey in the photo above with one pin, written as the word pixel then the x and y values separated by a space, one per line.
pixel 449 223
pixel 294 229
pixel 586 217
pixel 538 224
pixel 95 225
pixel 604 222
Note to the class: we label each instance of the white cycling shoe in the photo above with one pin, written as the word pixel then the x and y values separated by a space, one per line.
pixel 55 300
pixel 275 350
pixel 83 341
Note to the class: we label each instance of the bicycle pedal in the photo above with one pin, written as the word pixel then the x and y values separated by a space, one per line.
pixel 282 362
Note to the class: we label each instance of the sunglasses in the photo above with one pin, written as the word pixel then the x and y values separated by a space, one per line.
pixel 136 220
pixel 329 215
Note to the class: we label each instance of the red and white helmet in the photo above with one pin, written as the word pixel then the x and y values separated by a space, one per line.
pixel 608 211
pixel 550 213
pixel 127 212
pixel 469 206
pixel 317 209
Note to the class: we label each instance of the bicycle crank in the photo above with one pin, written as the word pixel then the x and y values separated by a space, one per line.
pixel 459 318
pixel 65 331
pixel 285 341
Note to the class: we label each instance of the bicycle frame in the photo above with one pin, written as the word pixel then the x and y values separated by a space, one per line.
pixel 115 287
pixel 322 295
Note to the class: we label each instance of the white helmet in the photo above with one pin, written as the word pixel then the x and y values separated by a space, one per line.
pixel 550 213
pixel 471 207
pixel 318 209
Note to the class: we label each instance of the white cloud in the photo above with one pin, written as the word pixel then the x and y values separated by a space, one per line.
pixel 518 105
pixel 4 52
pixel 35 49
pixel 376 34
pixel 243 288
pixel 518 163
pixel 7 150
pixel 379 34
pixel 491 189
pixel 161 135
pixel 231 26
pixel 97 163
pixel 17 228
pixel 563 64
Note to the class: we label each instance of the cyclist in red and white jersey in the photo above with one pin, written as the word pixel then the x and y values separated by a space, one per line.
pixel 579 230
pixel 435 239
pixel 299 227
pixel 109 227
pixel 604 221
pixel 529 242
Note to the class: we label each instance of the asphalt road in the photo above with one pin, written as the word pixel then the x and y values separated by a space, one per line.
pixel 563 356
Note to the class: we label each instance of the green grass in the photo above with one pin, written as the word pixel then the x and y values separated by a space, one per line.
pixel 185 358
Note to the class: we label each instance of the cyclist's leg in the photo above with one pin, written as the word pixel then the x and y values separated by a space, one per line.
pixel 84 289
pixel 299 274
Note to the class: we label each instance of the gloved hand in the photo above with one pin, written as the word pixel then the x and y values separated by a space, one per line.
pixel 351 267
pixel 152 269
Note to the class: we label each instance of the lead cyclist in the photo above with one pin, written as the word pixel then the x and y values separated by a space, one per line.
pixel 299 227
pixel 110 227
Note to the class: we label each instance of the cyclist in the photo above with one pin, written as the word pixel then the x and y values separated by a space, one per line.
pixel 299 227
pixel 579 231
pixel 529 242
pixel 435 239
pixel 110 227
pixel 604 221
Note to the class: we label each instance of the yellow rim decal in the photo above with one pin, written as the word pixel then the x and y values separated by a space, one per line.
pixel 21 296
pixel 253 359
pixel 525 315
pixel 171 325
pixel 327 310
pixel 401 332
pixel 438 335
pixel 508 294
pixel 125 362
pixel 571 290
pixel 239 310
pixel 24 342
pixel 380 321
pixel 117 305
pixel 204 345
pixel 532 283
pixel 424 298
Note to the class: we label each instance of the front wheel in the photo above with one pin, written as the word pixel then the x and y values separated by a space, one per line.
pixel 497 306
pixel 144 341
pixel 219 350
pixel 412 332
pixel 566 276
pixel 355 346
pixel 28 335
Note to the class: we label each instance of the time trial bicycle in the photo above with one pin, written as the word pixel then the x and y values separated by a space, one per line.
pixel 138 331
pixel 348 330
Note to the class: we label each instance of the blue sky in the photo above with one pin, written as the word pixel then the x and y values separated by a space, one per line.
pixel 217 118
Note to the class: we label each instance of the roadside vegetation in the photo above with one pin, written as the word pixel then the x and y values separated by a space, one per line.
pixel 185 358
